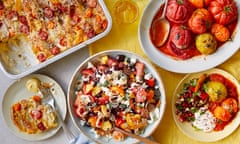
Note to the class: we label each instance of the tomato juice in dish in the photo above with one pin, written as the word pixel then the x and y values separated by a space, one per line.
pixel 196 28
pixel 116 91
pixel 208 102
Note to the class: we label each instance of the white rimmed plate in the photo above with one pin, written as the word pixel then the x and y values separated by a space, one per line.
pixel 195 64
pixel 187 128
pixel 18 91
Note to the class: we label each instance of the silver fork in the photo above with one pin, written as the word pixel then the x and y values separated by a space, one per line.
pixel 49 99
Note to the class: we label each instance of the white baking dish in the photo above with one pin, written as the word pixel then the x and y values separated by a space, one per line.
pixel 24 62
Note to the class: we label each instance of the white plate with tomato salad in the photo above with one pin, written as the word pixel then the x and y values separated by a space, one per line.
pixel 205 105
pixel 116 89
pixel 191 22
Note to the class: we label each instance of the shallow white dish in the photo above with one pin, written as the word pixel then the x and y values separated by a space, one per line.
pixel 187 128
pixel 87 130
pixel 195 64
pixel 17 91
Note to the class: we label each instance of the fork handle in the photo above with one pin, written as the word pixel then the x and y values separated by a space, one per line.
pixel 72 139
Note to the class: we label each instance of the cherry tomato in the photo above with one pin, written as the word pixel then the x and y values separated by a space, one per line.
pixel 37 98
pixel 36 114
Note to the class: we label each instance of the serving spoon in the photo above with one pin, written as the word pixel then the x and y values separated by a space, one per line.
pixel 141 139
pixel 160 28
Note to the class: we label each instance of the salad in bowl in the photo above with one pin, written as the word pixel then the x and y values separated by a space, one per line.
pixel 116 89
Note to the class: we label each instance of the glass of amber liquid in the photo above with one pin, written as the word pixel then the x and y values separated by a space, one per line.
pixel 125 11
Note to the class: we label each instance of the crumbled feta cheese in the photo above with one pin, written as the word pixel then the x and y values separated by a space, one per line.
pixel 154 115
pixel 147 76
pixel 133 60
pixel 90 65
pixel 85 99
pixel 204 120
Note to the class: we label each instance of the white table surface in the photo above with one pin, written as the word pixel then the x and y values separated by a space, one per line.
pixel 61 71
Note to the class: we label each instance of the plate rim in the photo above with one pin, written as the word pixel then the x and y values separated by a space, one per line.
pixel 8 122
pixel 214 136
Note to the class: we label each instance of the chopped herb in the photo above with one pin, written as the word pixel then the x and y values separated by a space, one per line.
pixel 193 82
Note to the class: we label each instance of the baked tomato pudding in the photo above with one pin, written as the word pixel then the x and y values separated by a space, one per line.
pixel 192 23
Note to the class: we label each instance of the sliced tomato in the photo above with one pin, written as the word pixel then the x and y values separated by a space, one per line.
pixel 104 24
pixel 36 114
pixel 203 95
pixel 103 100
pixel 42 57
pixel 151 82
pixel 43 35
pixel 17 107
pixel 79 110
pixel 55 50
pixel 150 94
pixel 37 98
pixel 119 121
pixel 87 72
pixel 141 95
pixel 23 20
pixel 41 126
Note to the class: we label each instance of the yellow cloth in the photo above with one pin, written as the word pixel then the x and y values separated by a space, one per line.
pixel 125 37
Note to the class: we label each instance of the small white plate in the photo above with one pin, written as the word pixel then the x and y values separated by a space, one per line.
pixel 195 64
pixel 18 91
pixel 187 128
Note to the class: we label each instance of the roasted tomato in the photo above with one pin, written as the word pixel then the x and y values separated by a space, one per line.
pixel 222 114
pixel 220 32
pixel 200 21
pixel 206 43
pixel 223 11
pixel 199 3
pixel 230 104
pixel 180 36
pixel 179 11
pixel 179 42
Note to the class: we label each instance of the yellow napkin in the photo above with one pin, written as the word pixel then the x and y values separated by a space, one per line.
pixel 125 37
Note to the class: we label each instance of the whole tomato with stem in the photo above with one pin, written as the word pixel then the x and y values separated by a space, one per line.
pixel 200 21
pixel 223 11
pixel 178 11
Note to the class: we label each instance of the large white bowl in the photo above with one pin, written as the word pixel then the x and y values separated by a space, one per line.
pixel 195 64
pixel 86 130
